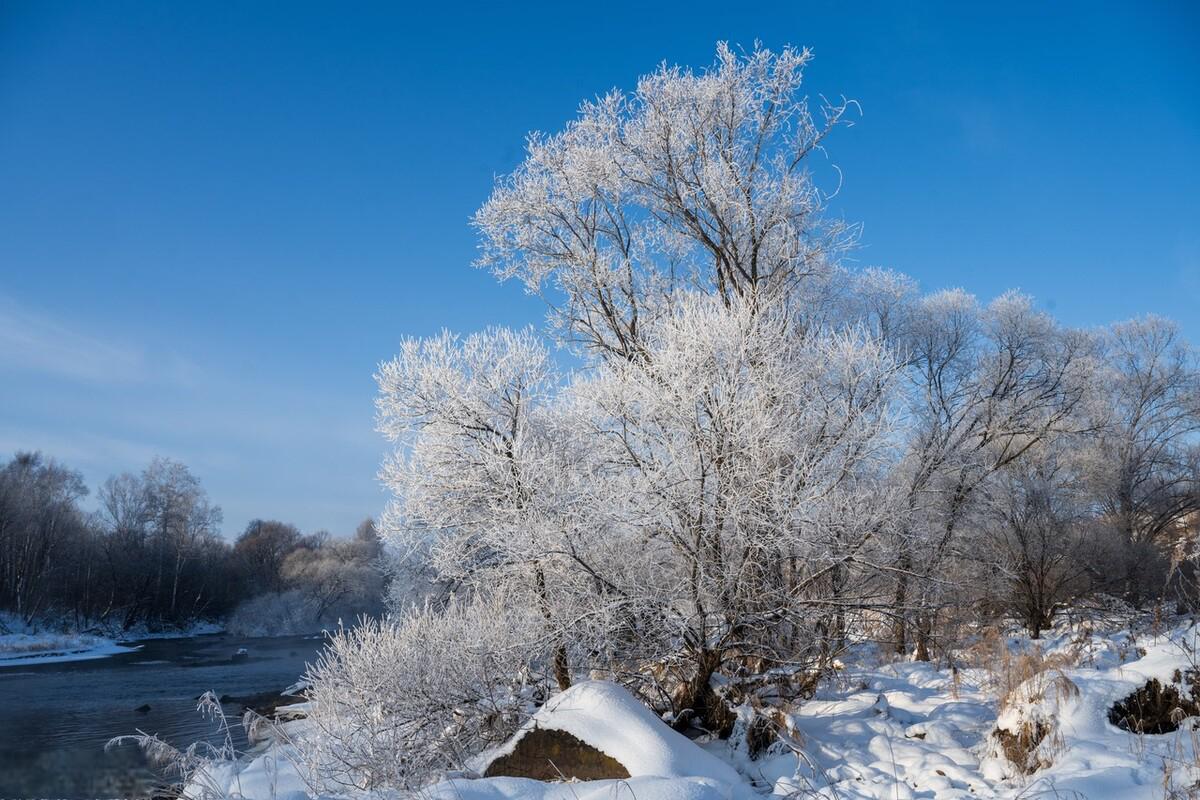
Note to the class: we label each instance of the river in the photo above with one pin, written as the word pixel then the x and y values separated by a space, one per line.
pixel 56 718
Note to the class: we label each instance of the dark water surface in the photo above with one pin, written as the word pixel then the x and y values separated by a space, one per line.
pixel 55 718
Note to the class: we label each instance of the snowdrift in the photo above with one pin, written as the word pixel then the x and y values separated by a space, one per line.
pixel 637 788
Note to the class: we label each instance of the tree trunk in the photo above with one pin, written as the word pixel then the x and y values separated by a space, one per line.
pixel 561 667
pixel 562 671
pixel 698 695
pixel 899 601
pixel 924 634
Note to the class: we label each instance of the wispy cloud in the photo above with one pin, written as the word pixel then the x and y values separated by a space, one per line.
pixel 98 454
pixel 263 444
pixel 34 341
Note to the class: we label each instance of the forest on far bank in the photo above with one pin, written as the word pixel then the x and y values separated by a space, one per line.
pixel 151 558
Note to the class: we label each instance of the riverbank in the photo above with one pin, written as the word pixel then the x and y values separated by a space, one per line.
pixel 49 643
pixel 18 649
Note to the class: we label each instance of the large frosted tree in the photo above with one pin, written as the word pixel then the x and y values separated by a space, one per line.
pixel 717 418
pixel 745 452
pixel 694 181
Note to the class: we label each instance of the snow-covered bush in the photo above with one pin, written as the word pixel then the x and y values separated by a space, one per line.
pixel 395 701
pixel 323 581
pixel 1027 730
pixel 274 614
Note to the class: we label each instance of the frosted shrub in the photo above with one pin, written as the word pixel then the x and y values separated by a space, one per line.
pixel 398 700
pixel 274 614
pixel 1034 688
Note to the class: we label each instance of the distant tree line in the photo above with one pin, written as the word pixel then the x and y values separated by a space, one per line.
pixel 152 556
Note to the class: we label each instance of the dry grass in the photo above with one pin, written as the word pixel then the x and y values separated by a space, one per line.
pixel 1023 679
pixel 1034 670
pixel 22 644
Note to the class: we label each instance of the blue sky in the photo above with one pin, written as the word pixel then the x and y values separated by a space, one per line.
pixel 217 218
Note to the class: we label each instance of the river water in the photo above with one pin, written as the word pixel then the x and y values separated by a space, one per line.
pixel 55 718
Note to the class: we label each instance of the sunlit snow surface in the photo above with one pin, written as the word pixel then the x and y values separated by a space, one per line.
pixel 882 731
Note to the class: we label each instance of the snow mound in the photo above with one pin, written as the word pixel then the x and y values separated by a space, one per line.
pixel 637 788
pixel 1080 750
pixel 607 717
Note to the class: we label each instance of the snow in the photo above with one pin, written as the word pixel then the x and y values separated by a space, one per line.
pixel 636 788
pixel 23 649
pixel 911 730
pixel 874 731
pixel 904 730
pixel 25 645
pixel 609 718
pixel 141 633
pixel 267 775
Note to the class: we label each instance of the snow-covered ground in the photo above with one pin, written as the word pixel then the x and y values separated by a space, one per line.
pixel 877 730
pixel 23 644
pixel 897 731
pixel 44 648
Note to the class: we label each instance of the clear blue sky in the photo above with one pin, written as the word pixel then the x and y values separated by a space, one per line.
pixel 217 218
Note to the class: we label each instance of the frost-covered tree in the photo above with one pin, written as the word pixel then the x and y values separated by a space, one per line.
pixel 262 548
pixel 1036 542
pixel 40 523
pixel 470 460
pixel 987 384
pixel 695 180
pixel 653 220
pixel 182 521
pixel 1146 459
pixel 739 459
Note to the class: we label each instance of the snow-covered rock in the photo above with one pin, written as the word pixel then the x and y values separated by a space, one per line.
pixel 608 718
